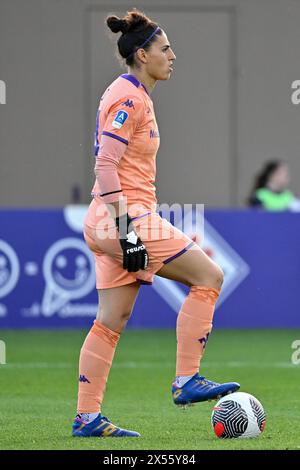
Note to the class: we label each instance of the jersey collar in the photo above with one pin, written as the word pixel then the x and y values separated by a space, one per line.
pixel 134 80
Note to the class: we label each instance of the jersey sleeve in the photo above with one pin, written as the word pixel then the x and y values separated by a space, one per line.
pixel 106 165
pixel 123 118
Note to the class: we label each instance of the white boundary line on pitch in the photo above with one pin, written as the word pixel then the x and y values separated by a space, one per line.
pixel 150 365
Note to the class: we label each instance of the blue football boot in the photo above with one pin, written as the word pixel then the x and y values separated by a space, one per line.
pixel 99 427
pixel 198 388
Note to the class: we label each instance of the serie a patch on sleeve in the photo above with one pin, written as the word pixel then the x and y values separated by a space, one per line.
pixel 120 119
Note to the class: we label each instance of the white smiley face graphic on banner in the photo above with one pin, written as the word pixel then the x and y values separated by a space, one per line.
pixel 9 269
pixel 68 272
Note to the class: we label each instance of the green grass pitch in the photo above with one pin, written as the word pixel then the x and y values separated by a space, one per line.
pixel 38 388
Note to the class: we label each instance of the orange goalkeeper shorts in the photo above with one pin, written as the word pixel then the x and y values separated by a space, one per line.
pixel 162 240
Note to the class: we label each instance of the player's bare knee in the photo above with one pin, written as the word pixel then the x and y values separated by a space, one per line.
pixel 109 316
pixel 213 278
pixel 125 315
pixel 219 278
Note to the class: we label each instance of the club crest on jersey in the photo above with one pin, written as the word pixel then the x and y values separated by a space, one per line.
pixel 120 119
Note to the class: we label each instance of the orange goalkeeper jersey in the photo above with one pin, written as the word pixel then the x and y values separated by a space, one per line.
pixel 126 113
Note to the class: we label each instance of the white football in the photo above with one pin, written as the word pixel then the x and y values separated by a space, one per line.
pixel 238 415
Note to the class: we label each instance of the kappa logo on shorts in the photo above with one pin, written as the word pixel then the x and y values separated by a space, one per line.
pixel 120 119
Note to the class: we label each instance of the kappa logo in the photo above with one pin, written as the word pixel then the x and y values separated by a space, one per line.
pixel 128 103
pixel 204 340
pixel 82 378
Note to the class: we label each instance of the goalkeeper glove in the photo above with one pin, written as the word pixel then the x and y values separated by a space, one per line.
pixel 135 255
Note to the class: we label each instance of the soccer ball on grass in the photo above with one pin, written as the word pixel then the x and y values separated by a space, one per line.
pixel 238 415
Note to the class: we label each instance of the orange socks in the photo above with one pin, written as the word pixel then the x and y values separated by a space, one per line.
pixel 95 361
pixel 194 324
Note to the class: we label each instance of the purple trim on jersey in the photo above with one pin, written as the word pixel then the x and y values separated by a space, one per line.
pixel 114 136
pixel 134 80
pixel 145 89
pixel 131 78
pixel 96 146
pixel 146 283
pixel 140 216
pixel 178 254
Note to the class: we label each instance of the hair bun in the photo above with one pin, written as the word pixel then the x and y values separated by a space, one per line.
pixel 117 24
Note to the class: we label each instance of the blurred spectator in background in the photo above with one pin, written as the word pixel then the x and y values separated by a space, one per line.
pixel 271 189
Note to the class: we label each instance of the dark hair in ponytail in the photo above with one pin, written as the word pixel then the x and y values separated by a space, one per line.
pixel 263 176
pixel 136 28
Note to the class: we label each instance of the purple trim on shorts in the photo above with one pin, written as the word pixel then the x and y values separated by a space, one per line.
pixel 178 254
pixel 146 283
pixel 140 216
pixel 124 141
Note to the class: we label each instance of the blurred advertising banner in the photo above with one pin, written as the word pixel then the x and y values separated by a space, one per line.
pixel 47 273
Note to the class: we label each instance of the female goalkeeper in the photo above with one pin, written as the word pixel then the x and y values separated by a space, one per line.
pixel 129 239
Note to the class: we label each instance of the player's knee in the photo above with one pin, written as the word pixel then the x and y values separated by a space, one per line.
pixel 121 321
pixel 115 320
pixel 213 278
pixel 125 315
pixel 219 278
